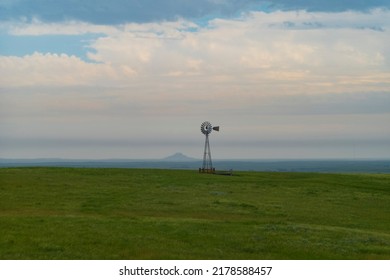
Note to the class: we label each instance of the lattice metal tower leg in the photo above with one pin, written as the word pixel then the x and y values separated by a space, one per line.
pixel 207 163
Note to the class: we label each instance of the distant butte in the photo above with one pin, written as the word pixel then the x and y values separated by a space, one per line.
pixel 179 157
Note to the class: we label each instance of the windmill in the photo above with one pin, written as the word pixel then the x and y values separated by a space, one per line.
pixel 207 166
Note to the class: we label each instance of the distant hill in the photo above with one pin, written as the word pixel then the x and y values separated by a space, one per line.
pixel 179 157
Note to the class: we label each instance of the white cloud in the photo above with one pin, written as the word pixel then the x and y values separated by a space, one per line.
pixel 35 27
pixel 57 70
pixel 243 58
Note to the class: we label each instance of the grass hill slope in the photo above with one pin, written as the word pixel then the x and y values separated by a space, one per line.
pixel 86 213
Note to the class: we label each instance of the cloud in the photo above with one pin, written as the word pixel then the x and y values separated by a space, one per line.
pixel 36 27
pixel 255 52
pixel 261 76
pixel 330 5
pixel 56 70
pixel 278 46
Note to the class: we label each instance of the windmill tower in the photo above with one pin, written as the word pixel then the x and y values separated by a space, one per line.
pixel 207 166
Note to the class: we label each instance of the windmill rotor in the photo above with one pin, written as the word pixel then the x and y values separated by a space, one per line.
pixel 206 128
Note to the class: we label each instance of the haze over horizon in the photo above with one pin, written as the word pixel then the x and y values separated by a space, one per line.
pixel 130 79
pixel 183 158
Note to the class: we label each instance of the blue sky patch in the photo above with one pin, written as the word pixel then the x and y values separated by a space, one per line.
pixel 77 45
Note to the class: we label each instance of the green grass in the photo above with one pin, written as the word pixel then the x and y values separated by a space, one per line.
pixel 70 213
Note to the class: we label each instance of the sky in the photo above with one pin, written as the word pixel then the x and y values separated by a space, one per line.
pixel 135 79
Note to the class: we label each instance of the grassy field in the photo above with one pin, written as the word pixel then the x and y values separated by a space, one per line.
pixel 70 213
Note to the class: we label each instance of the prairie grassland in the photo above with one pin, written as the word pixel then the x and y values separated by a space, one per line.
pixel 86 213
